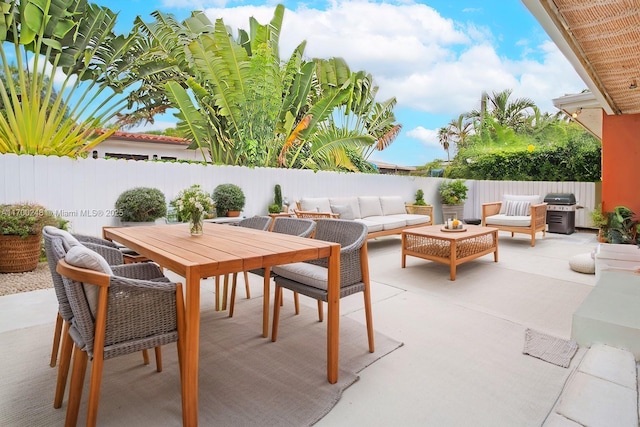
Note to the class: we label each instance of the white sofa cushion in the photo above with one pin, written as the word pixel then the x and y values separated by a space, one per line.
pixel 392 205
pixel 532 199
pixel 413 219
pixel 372 226
pixel 388 223
pixel 509 221
pixel 350 201
pixel 369 206
pixel 317 204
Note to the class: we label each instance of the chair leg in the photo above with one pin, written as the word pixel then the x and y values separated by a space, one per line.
pixel 217 305
pixel 145 356
pixel 232 303
pixel 277 298
pixel 369 317
pixel 320 311
pixel 56 341
pixel 158 351
pixel 63 368
pixel 246 285
pixel 296 302
pixel 94 390
pixel 80 359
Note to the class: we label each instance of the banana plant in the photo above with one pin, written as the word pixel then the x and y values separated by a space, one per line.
pixel 68 41
pixel 238 101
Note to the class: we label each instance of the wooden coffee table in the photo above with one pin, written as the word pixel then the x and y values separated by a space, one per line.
pixel 449 247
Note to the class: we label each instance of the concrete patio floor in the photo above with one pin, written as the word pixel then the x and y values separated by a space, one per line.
pixel 462 362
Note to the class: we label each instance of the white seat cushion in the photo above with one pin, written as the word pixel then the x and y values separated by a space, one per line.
pixel 372 226
pixel 388 223
pixel 509 221
pixel 413 219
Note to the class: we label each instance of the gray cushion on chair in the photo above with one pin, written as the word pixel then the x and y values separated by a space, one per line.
pixel 309 274
pixel 344 211
pixel 68 241
pixel 83 257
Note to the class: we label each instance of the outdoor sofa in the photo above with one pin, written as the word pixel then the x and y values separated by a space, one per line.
pixel 383 215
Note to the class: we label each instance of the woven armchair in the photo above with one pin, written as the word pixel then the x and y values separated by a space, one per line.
pixel 311 278
pixel 284 225
pixel 57 243
pixel 114 316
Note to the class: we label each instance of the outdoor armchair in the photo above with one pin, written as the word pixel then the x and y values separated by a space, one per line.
pixel 114 316
pixel 525 214
pixel 311 278
pixel 284 225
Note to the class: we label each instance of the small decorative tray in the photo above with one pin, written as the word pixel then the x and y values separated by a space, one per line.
pixel 453 230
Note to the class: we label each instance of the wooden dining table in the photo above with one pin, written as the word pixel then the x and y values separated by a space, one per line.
pixel 222 250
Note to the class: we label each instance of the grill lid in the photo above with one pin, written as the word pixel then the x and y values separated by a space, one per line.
pixel 560 199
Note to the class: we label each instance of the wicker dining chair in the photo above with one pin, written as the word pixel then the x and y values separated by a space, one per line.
pixel 311 278
pixel 57 242
pixel 104 325
pixel 257 223
pixel 284 225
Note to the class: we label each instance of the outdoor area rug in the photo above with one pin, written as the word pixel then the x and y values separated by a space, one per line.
pixel 550 349
pixel 245 380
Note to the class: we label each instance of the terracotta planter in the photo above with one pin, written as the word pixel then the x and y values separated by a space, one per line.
pixel 18 255
pixel 233 213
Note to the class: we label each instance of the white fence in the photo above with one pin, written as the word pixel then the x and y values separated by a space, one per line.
pixel 84 191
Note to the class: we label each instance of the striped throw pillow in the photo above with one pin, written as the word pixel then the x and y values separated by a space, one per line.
pixel 517 208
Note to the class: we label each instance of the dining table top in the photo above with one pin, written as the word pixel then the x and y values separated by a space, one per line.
pixel 221 249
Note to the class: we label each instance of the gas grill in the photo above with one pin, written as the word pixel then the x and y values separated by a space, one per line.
pixel 561 212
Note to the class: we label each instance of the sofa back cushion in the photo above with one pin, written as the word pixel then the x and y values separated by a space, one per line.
pixel 346 201
pixel 317 204
pixel 369 206
pixel 344 211
pixel 392 205
pixel 532 199
pixel 517 208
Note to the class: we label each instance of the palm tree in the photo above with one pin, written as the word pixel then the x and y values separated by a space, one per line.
pixel 444 137
pixel 58 37
pixel 513 114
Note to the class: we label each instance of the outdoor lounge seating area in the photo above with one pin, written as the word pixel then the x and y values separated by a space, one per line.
pixel 461 359
pixel 383 216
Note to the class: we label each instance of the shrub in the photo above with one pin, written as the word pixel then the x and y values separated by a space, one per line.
pixel 228 197
pixel 420 198
pixel 453 192
pixel 141 204
pixel 24 219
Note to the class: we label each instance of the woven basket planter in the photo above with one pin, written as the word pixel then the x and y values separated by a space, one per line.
pixel 18 255
pixel 419 209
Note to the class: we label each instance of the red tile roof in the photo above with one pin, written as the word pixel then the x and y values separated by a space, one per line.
pixel 145 137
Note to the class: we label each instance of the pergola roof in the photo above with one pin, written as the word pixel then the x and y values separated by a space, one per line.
pixel 601 39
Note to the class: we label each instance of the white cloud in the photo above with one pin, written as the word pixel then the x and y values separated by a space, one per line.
pixel 428 137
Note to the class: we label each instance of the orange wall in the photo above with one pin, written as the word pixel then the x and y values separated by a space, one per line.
pixel 621 162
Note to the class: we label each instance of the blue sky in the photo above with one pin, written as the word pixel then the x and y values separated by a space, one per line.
pixel 435 57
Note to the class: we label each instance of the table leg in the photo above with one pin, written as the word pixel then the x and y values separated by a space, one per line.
pixel 452 260
pixel 192 344
pixel 333 321
pixel 495 244
pixel 404 245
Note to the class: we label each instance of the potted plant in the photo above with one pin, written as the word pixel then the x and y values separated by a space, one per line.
pixel 601 221
pixel 21 227
pixel 141 205
pixel 229 199
pixel 453 193
pixel 621 226
pixel 419 207
pixel 276 207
